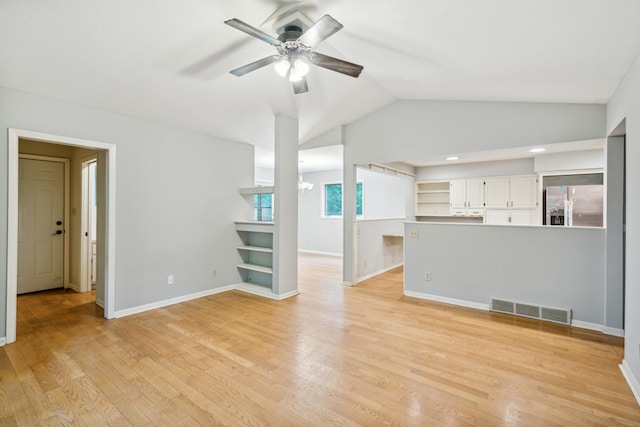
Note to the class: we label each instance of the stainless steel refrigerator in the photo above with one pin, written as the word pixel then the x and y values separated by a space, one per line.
pixel 574 205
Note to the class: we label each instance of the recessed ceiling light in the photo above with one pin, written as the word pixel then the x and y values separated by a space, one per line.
pixel 453 158
pixel 537 150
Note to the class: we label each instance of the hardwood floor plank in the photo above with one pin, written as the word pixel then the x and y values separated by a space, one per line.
pixel 333 355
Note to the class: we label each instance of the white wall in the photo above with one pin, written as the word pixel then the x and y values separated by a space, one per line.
pixel 384 196
pixel 316 233
pixel 264 176
pixel 573 160
pixel 478 169
pixel 177 197
pixel 379 246
pixel 625 105
pixel 550 266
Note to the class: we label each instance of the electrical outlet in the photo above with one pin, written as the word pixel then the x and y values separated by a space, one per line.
pixel 215 272
pixel 414 233
pixel 427 276
pixel 170 279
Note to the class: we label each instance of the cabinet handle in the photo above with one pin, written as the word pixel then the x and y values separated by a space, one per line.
pixel 507 204
pixel 512 203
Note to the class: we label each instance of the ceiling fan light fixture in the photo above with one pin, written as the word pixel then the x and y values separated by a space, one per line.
pixel 298 70
pixel 301 66
pixel 282 67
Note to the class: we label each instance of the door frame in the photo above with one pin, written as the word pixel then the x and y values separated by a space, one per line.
pixel 108 236
pixel 66 196
pixel 85 247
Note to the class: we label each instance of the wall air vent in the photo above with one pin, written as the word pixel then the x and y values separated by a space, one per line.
pixel 556 315
pixel 502 306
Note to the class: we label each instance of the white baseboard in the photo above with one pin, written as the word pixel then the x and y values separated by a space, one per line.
pixel 631 380
pixel 176 300
pixel 369 276
pixel 469 304
pixel 597 327
pixel 75 288
pixel 100 303
pixel 348 284
pixel 263 291
pixel 616 332
pixel 3 341
pixel 454 301
pixel 333 254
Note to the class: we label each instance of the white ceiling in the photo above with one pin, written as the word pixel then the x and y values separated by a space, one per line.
pixel 168 61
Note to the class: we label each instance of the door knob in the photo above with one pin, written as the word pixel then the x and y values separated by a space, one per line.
pixel 57 232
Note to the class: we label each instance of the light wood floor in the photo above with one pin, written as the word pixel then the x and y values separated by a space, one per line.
pixel 331 356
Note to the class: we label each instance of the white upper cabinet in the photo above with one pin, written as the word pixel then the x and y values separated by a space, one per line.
pixel 467 197
pixel 496 194
pixel 523 191
pixel 458 194
pixel 516 192
pixel 475 193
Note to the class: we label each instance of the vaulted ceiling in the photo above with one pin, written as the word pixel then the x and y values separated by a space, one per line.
pixel 168 61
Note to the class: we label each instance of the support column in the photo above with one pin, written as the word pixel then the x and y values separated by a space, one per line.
pixel 614 218
pixel 285 208
pixel 350 229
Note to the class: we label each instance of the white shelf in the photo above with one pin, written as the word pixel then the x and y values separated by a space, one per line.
pixel 257 190
pixel 255 226
pixel 255 249
pixel 254 267
pixel 432 191
pixel 433 198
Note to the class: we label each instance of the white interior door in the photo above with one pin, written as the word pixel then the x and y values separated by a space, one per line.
pixel 40 225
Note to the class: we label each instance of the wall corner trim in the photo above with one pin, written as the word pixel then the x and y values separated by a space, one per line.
pixel 631 380
pixel 3 341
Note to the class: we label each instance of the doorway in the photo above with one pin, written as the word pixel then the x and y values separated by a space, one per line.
pixel 106 170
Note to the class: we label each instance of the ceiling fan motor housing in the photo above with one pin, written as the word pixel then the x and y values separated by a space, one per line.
pixel 291 33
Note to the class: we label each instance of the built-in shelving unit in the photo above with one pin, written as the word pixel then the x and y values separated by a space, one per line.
pixel 433 198
pixel 256 253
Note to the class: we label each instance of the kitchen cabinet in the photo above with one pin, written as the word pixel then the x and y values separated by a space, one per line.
pixel 467 197
pixel 510 216
pixel 511 200
pixel 516 192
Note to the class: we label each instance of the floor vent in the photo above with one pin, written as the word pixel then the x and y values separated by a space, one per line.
pixel 527 310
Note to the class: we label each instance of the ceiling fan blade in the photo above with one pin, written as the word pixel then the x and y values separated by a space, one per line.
pixel 252 31
pixel 335 64
pixel 300 86
pixel 241 71
pixel 324 28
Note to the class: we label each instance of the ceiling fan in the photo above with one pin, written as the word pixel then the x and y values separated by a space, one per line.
pixel 294 51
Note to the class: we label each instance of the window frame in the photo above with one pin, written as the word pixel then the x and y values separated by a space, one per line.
pixel 323 204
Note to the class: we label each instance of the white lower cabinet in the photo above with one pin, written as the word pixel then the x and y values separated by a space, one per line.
pixel 510 216
pixel 523 216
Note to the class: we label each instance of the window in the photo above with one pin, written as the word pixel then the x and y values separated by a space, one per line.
pixel 332 206
pixel 263 207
